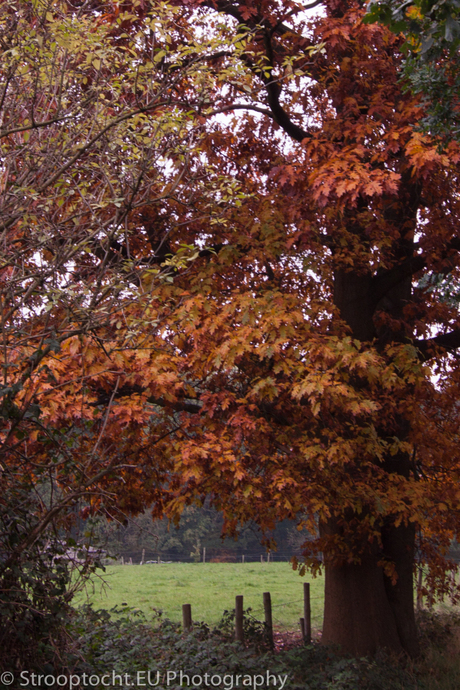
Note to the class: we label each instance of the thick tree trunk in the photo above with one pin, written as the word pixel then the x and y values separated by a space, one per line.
pixel 363 610
pixel 399 546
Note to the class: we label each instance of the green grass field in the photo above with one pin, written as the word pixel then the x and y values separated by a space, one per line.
pixel 210 589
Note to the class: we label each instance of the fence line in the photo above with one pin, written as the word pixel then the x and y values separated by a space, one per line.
pixel 305 620
pixel 274 606
pixel 206 554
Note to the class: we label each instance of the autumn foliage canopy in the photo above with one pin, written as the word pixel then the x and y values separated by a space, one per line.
pixel 229 271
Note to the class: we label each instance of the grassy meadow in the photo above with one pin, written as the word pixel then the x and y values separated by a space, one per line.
pixel 210 589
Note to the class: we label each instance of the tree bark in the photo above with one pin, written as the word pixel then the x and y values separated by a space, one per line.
pixel 363 610
pixel 399 546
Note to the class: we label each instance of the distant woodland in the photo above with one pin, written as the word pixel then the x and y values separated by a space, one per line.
pixel 199 528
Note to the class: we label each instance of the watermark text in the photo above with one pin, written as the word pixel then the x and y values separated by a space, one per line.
pixel 146 679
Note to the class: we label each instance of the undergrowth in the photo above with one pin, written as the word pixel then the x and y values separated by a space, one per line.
pixel 127 645
pixel 439 665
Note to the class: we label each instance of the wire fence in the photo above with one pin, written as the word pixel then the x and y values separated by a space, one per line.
pixel 316 618
pixel 284 611
pixel 206 555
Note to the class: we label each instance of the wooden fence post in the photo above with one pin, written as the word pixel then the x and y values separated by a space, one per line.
pixel 307 612
pixel 122 561
pixel 204 554
pixel 302 627
pixel 143 557
pixel 268 616
pixel 261 558
pixel 130 560
pixel 187 616
pixel 239 633
pixel 242 558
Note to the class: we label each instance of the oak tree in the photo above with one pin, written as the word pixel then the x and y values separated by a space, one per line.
pixel 310 339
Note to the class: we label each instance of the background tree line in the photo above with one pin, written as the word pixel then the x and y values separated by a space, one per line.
pixel 198 528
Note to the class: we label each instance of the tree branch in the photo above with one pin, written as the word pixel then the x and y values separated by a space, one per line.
pixel 240 106
pixel 447 341
pixel 177 406
pixel 188 405
pixel 384 282
pixel 34 125
pixel 273 88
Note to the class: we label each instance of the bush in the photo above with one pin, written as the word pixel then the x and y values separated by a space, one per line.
pixel 34 584
pixel 37 582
